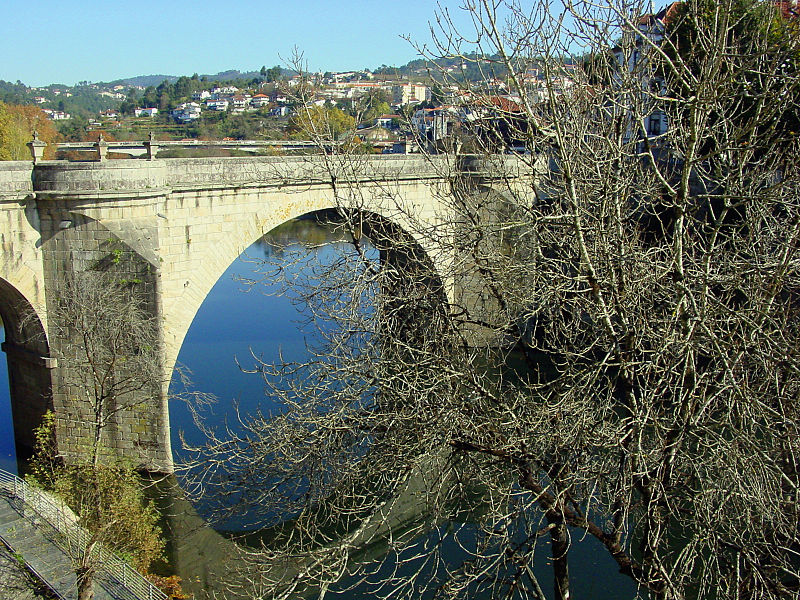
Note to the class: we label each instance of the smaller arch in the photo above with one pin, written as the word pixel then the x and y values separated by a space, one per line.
pixel 29 366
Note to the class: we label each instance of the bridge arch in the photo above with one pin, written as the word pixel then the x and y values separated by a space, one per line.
pixel 29 365
pixel 208 250
pixel 409 297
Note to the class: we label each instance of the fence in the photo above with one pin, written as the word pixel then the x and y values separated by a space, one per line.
pixel 60 518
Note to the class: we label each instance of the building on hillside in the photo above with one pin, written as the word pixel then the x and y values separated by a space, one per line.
pixel 228 90
pixel 240 102
pixel 145 112
pixel 278 97
pixel 410 93
pixel 186 112
pixel 220 105
pixel 432 125
pixel 388 121
pixel 259 100
pixel 56 115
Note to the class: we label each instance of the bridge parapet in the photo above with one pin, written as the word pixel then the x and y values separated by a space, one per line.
pixel 15 178
pixel 293 170
pixel 114 177
pixel 102 178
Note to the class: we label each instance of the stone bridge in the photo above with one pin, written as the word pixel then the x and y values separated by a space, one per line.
pixel 183 221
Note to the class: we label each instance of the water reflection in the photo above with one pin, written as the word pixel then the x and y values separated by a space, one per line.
pixel 246 318
pixel 239 321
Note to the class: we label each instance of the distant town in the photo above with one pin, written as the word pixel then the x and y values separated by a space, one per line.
pixel 390 109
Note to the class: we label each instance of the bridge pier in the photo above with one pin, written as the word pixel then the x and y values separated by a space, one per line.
pixel 83 246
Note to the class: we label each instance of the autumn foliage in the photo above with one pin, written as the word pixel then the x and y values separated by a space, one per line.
pixel 17 124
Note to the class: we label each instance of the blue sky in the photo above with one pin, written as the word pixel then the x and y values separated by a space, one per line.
pixel 48 41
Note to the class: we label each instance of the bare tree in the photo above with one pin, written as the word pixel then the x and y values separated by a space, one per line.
pixel 647 282
pixel 108 351
pixel 106 342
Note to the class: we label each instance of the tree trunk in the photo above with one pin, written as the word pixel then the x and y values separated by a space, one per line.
pixel 559 542
pixel 85 580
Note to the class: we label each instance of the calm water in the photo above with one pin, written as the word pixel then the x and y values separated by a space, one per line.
pixel 234 322
pixel 240 320
pixel 8 455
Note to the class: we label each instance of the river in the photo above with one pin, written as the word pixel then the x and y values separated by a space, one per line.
pixel 235 322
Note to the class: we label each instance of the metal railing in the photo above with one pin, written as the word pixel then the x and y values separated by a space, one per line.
pixel 60 518
pixel 151 147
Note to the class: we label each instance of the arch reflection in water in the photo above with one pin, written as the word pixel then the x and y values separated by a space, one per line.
pixel 231 323
pixel 248 320
pixel 238 325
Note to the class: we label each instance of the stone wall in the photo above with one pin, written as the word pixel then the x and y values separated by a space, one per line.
pixel 84 240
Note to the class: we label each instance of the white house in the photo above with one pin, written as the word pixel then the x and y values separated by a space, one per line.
pixel 218 105
pixel 56 115
pixel 386 121
pixel 240 102
pixel 186 112
pixel 225 91
pixel 145 112
pixel 259 100
pixel 410 93
pixel 650 29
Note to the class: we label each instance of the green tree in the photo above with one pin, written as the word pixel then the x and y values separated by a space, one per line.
pixel 319 122
pixel 149 98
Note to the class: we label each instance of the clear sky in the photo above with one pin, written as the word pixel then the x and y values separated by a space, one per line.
pixel 66 41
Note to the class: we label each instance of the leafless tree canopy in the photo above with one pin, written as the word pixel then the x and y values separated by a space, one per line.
pixel 647 284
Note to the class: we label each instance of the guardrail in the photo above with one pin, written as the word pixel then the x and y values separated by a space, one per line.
pixel 150 147
pixel 60 518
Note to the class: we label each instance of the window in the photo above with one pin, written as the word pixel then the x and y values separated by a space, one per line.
pixel 654 126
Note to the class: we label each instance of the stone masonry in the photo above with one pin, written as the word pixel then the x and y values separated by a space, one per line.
pixel 178 223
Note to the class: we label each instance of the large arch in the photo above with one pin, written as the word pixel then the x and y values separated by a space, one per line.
pixel 29 365
pixel 208 251
pixel 397 247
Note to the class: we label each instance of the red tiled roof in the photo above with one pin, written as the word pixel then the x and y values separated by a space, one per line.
pixel 502 103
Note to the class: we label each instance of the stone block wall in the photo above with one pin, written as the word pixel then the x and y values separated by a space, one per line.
pixel 121 253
